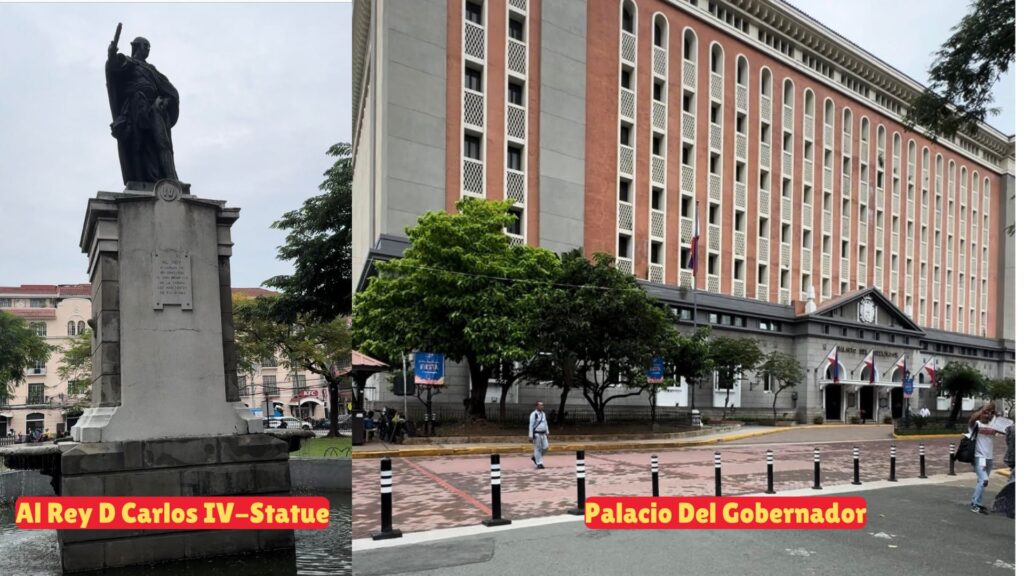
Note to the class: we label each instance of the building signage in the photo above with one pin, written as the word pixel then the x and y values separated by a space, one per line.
pixel 429 369
pixel 309 392
pixel 656 373
pixel 864 352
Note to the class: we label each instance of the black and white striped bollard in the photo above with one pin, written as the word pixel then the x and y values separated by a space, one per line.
pixel 892 463
pixel 386 530
pixel 771 475
pixel 920 452
pixel 581 485
pixel 856 466
pixel 952 460
pixel 496 519
pixel 654 474
pixel 817 469
pixel 718 474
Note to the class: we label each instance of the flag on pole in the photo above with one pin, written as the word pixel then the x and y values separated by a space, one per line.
pixel 695 245
pixel 901 364
pixel 869 360
pixel 931 368
pixel 833 362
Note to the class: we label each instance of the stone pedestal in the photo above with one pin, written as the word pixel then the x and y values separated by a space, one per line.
pixel 166 419
pixel 159 263
pixel 251 465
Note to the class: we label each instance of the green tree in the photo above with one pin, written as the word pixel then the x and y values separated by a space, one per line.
pixel 598 330
pixel 732 357
pixel 303 342
pixel 76 361
pixel 784 371
pixel 319 243
pixel 457 290
pixel 691 358
pixel 967 66
pixel 20 349
pixel 1003 389
pixel 958 380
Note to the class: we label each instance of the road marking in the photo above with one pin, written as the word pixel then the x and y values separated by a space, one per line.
pixel 800 552
pixel 443 484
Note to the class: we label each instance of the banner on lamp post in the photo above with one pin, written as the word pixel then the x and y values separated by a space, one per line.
pixel 656 373
pixel 428 369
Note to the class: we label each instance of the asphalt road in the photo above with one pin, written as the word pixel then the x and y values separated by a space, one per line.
pixel 911 530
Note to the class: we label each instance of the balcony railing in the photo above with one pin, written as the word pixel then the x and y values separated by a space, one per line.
pixel 656 273
pixel 516 121
pixel 657 224
pixel 741 146
pixel 738 289
pixel 715 187
pixel 740 195
pixel 689 75
pixel 628 53
pixel 474 37
pixel 658 170
pixel 739 244
pixel 515 186
pixel 625 265
pixel 627 103
pixel 658 115
pixel 685 229
pixel 626 159
pixel 660 61
pixel 472 176
pixel 741 97
pixel 766 156
pixel 687 179
pixel 517 56
pixel 473 108
pixel 625 216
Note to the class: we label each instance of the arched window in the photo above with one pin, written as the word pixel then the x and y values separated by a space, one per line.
pixel 865 373
pixel 809 102
pixel 659 31
pixel 71 328
pixel 716 59
pixel 787 92
pixel 81 327
pixel 847 121
pixel 689 46
pixel 828 373
pixel 741 71
pixel 766 82
pixel 34 421
pixel 628 20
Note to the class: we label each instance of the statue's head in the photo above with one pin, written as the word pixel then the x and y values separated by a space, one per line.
pixel 140 48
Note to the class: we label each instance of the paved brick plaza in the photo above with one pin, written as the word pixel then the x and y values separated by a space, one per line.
pixel 444 492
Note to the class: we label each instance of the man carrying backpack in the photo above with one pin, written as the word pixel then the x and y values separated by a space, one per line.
pixel 539 434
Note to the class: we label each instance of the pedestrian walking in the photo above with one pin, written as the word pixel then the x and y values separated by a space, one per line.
pixel 979 427
pixel 539 434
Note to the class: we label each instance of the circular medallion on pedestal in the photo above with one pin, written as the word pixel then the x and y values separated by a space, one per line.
pixel 168 190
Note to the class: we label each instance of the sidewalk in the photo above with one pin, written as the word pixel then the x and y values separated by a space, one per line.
pixel 802 433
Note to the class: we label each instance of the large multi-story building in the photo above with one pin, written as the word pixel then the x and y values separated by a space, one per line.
pixel 58 313
pixel 627 126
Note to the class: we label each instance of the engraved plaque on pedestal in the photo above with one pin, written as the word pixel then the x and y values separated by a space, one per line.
pixel 172 279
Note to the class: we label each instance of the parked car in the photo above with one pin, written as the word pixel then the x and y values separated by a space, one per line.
pixel 287 422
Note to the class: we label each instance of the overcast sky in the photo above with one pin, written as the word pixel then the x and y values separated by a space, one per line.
pixel 265 90
pixel 906 34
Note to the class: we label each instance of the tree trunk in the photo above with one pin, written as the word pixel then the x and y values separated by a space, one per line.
pixel 775 400
pixel 653 399
pixel 501 404
pixel 478 376
pixel 332 392
pixel 955 409
pixel 567 370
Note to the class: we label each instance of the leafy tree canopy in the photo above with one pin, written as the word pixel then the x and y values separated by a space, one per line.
pixel 302 343
pixel 76 360
pixel 456 290
pixel 959 380
pixel 319 242
pixel 20 348
pixel 966 68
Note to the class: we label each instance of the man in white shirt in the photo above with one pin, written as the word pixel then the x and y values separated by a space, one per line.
pixel 539 434
pixel 982 453
pixel 924 412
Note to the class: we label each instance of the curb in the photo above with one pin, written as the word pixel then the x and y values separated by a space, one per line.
pixel 526 448
pixel 924 436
